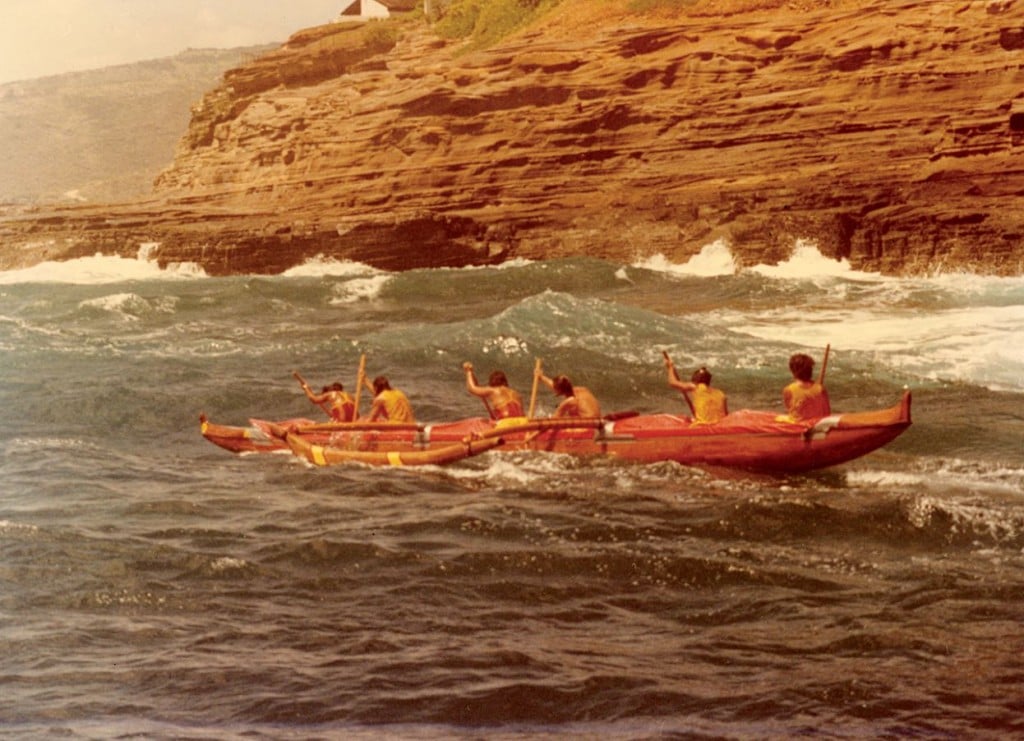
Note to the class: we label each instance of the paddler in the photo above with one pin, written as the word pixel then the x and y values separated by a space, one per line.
pixel 390 405
pixel 804 398
pixel 502 401
pixel 334 400
pixel 709 405
pixel 578 402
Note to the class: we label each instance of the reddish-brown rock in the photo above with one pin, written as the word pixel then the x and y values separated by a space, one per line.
pixel 891 134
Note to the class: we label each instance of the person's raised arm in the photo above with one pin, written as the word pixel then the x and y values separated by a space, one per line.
pixel 471 383
pixel 673 376
pixel 549 382
pixel 309 393
pixel 315 398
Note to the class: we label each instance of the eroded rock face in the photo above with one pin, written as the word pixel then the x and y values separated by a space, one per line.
pixel 891 134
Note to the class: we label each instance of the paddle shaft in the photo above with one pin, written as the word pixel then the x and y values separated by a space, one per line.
pixel 360 375
pixel 824 365
pixel 675 375
pixel 668 361
pixel 533 393
pixel 305 387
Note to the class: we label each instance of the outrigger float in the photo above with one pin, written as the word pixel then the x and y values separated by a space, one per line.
pixel 747 440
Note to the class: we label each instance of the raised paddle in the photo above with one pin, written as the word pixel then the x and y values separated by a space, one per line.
pixel 533 393
pixel 360 377
pixel 672 366
pixel 302 382
pixel 824 365
pixel 537 369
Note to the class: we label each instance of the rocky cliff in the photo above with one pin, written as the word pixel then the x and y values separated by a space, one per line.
pixel 890 132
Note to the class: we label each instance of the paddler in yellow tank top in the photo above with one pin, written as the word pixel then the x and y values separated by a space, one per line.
pixel 390 405
pixel 502 401
pixel 804 398
pixel 709 405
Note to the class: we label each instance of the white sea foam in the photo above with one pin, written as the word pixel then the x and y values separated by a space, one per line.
pixel 100 269
pixel 227 563
pixel 972 518
pixel 505 345
pixel 973 344
pixel 713 259
pixel 943 328
pixel 325 266
pixel 8 528
pixel 968 478
pixel 886 479
pixel 971 284
pixel 807 262
pixel 131 306
pixel 518 262
pixel 360 289
pixel 513 469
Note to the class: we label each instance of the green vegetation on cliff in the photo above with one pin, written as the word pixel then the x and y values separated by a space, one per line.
pixel 484 22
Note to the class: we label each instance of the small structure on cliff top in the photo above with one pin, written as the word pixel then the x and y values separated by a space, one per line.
pixel 364 10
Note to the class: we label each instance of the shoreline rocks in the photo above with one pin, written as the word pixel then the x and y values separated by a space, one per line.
pixel 890 135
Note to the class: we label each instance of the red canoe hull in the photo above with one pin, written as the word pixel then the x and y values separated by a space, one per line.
pixel 749 440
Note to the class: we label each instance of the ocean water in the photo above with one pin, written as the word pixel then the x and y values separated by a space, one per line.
pixel 153 585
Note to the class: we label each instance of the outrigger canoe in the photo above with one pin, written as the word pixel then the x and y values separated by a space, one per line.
pixel 748 440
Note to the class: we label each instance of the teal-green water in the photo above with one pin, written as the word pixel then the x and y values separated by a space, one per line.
pixel 154 585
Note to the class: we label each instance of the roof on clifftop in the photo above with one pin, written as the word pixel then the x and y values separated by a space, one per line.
pixel 395 6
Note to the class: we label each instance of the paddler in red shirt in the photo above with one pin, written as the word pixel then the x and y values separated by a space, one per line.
pixel 334 400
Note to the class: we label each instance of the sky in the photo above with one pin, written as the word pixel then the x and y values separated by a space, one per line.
pixel 47 37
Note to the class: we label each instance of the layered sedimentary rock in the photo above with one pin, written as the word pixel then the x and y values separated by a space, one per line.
pixel 890 133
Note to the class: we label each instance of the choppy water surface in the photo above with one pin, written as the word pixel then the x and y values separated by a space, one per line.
pixel 154 585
